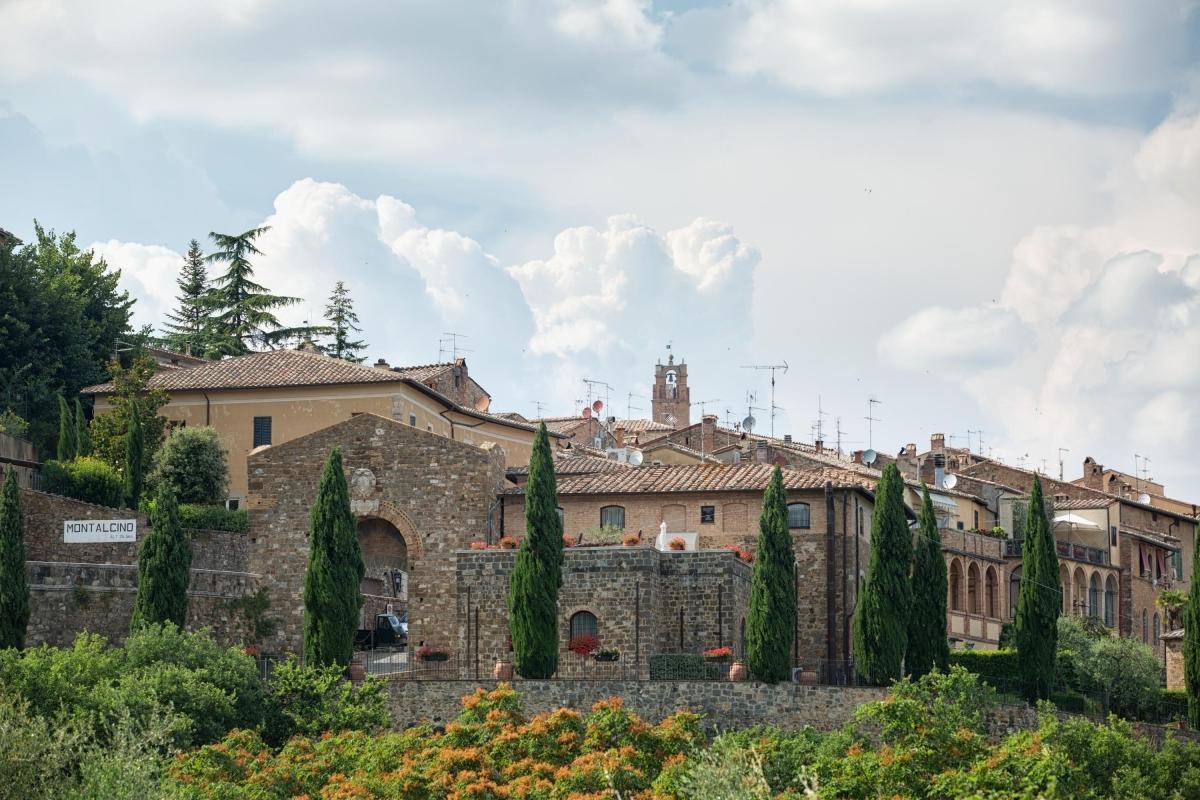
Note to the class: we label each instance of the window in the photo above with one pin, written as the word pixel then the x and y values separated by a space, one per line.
pixel 708 514
pixel 584 623
pixel 955 586
pixel 1110 600
pixel 262 431
pixel 1154 641
pixel 562 516
pixel 1094 596
pixel 798 515
pixel 960 524
pixel 1145 628
pixel 613 517
pixel 976 520
pixel 1112 535
pixel 232 504
pixel 412 420
pixel 973 589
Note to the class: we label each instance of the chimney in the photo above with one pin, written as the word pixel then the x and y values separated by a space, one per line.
pixel 939 470
pixel 937 442
pixel 820 446
pixel 619 436
pixel 382 364
pixel 761 452
pixel 708 431
pixel 787 438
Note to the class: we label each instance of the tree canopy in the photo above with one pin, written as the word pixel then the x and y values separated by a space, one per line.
pixel 343 323
pixel 771 617
pixel 188 326
pixel 243 311
pixel 1039 601
pixel 928 646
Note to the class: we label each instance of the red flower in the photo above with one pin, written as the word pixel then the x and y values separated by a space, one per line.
pixel 584 644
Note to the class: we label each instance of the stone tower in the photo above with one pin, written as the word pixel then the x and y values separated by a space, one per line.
pixel 671 403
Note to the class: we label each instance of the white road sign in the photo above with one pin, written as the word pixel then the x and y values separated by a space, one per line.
pixel 97 531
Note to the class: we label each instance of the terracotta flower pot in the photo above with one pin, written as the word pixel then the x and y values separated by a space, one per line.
pixel 808 677
pixel 357 671
pixel 738 671
pixel 503 671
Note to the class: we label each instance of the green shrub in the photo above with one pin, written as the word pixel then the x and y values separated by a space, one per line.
pixel 996 667
pixel 193 463
pixel 1071 702
pixel 1172 705
pixel 88 479
pixel 307 701
pixel 214 518
pixel 677 666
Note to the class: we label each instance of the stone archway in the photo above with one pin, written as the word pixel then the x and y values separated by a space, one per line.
pixel 390 546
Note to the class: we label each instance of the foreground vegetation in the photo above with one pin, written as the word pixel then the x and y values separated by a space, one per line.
pixel 174 715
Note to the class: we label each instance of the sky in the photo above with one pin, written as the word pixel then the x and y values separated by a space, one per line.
pixel 985 216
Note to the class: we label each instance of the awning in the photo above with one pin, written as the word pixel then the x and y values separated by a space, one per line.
pixel 1074 520
pixel 944 500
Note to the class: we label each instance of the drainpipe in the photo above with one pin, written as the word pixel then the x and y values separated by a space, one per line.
pixel 845 595
pixel 830 578
pixel 207 409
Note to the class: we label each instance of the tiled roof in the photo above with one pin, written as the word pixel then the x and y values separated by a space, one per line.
pixel 563 425
pixel 1083 503
pixel 641 425
pixel 577 460
pixel 679 448
pixel 423 372
pixel 703 478
pixel 262 370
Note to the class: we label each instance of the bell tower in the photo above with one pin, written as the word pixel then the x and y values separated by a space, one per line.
pixel 671 403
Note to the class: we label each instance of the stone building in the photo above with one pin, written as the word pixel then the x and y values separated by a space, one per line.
pixel 671 399
pixel 717 506
pixel 273 397
pixel 419 497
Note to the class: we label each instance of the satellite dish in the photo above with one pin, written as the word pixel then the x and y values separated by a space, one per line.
pixel 596 406
pixel 482 402
pixel 587 413
pixel 748 423
pixel 869 456
pixel 950 481
pixel 1144 499
pixel 636 457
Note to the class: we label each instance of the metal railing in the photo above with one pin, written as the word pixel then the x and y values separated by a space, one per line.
pixel 1079 552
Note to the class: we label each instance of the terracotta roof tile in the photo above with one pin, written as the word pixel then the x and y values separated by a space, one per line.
pixel 641 425
pixel 702 478
pixel 422 372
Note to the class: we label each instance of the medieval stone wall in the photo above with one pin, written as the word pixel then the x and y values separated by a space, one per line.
pixel 438 494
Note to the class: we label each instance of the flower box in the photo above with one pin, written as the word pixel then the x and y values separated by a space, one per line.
pixel 718 654
pixel 427 653
pixel 608 656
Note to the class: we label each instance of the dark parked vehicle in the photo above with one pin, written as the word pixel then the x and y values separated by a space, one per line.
pixel 391 630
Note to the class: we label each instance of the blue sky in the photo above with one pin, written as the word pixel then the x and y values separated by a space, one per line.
pixel 984 215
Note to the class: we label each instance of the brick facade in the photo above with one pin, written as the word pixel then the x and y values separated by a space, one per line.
pixel 437 494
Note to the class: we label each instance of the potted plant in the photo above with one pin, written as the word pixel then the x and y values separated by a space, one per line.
pixel 430 653
pixel 508 543
pixel 357 670
pixel 503 671
pixel 607 655
pixel 677 543
pixel 718 654
pixel 630 539
pixel 479 545
pixel 738 672
pixel 585 644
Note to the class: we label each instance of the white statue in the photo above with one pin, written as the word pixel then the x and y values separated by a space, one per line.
pixel 662 528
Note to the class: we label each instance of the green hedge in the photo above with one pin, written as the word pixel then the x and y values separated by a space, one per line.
pixel 88 479
pixel 997 667
pixel 213 518
pixel 1172 705
pixel 1072 702
pixel 678 667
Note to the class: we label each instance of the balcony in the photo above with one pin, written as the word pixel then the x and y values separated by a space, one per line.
pixel 1070 550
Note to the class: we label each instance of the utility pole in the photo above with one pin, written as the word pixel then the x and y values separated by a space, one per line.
pixel 1061 450
pixel 871 420
pixel 772 367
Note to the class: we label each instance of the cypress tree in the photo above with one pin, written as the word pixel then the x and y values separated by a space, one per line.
pixel 14 591
pixel 928 647
pixel 164 564
pixel 1038 603
pixel 881 615
pixel 135 448
pixel 83 439
pixel 333 580
pixel 187 330
pixel 67 449
pixel 771 618
pixel 537 573
pixel 1191 644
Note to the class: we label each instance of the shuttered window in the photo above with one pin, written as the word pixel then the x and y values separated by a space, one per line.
pixel 262 431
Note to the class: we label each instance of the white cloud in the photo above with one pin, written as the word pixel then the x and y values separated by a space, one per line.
pixel 148 273
pixel 1114 313
pixel 955 341
pixel 841 47
pixel 602 22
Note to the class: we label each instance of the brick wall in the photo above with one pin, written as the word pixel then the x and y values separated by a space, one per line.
pixel 438 493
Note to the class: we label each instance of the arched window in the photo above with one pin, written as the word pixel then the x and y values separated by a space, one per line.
pixel 1110 601
pixel 1094 596
pixel 1157 632
pixel 955 586
pixel 1145 628
pixel 798 515
pixel 613 517
pixel 989 592
pixel 1079 594
pixel 973 589
pixel 1064 579
pixel 1014 591
pixel 584 623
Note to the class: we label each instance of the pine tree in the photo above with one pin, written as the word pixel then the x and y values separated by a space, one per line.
pixel 1038 603
pixel 928 646
pixel 242 309
pixel 881 616
pixel 342 323
pixel 771 618
pixel 83 439
pixel 537 573
pixel 1191 644
pixel 14 591
pixel 332 583
pixel 187 330
pixel 164 567
pixel 67 446
pixel 135 451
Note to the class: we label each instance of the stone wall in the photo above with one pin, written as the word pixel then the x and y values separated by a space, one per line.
pixel 635 593
pixel 436 492
pixel 724 705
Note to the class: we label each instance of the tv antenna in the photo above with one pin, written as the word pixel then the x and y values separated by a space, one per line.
pixel 871 420
pixel 773 368
pixel 539 405
pixel 591 391
pixel 749 422
pixel 1061 450
pixel 703 403
pixel 630 407
pixel 978 449
pixel 820 421
pixel 449 342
